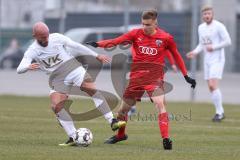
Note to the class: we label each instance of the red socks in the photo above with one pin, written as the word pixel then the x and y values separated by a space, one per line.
pixel 163 124
pixel 121 131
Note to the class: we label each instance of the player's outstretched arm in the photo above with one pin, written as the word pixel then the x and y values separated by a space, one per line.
pixel 123 39
pixel 178 59
pixel 81 49
pixel 78 47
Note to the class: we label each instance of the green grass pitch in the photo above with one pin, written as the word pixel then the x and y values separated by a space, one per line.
pixel 29 131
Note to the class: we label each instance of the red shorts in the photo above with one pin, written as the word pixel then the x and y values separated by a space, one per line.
pixel 145 76
pixel 135 90
pixel 136 93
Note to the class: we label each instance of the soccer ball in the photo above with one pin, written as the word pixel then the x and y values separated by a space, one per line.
pixel 84 137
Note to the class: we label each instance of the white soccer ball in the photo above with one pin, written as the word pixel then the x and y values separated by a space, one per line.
pixel 84 137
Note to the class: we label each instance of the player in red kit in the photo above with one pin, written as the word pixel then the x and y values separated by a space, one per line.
pixel 150 44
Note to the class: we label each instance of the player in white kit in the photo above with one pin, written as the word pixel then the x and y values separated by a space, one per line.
pixel 49 52
pixel 213 37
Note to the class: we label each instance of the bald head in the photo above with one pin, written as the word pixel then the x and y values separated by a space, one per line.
pixel 41 33
pixel 40 28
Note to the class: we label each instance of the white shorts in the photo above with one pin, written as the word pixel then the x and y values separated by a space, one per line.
pixel 214 70
pixel 74 78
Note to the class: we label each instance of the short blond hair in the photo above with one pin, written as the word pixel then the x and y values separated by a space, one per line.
pixel 150 14
pixel 206 8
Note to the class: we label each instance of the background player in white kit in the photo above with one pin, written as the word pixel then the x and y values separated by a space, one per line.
pixel 213 37
pixel 49 51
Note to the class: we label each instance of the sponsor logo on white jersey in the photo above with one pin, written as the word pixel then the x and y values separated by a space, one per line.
pixel 206 40
pixel 148 50
pixel 52 61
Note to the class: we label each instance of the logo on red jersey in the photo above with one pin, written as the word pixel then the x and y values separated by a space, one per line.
pixel 158 42
pixel 148 50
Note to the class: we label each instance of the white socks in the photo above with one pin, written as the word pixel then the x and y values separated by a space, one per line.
pixel 217 100
pixel 132 110
pixel 102 105
pixel 67 123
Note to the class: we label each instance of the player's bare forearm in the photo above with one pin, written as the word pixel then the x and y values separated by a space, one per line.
pixel 24 69
pixel 103 58
pixel 26 65
pixel 191 55
pixel 34 66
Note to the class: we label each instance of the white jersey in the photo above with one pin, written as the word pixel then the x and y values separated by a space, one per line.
pixel 214 34
pixel 53 55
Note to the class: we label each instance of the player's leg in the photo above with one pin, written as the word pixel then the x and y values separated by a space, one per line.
pixel 123 114
pixel 215 74
pixel 130 96
pixel 132 111
pixel 126 105
pixel 101 104
pixel 80 78
pixel 163 121
pixel 65 120
pixel 217 99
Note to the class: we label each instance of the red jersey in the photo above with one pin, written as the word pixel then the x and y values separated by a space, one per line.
pixel 170 58
pixel 148 48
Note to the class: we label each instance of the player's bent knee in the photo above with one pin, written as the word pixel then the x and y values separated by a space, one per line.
pixel 128 102
pixel 158 101
pixel 160 105
pixel 212 87
pixel 89 88
pixel 58 101
pixel 56 107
